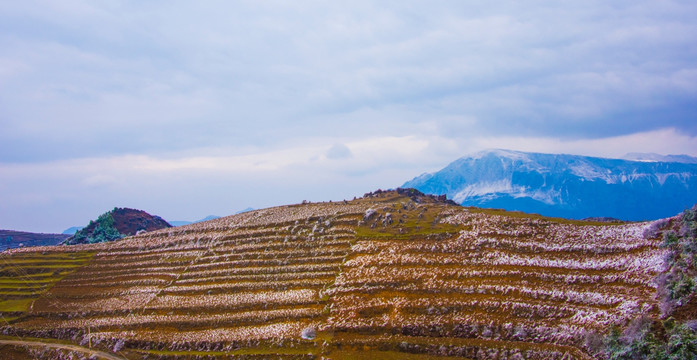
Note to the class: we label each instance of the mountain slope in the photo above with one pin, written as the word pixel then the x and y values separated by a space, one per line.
pixel 567 186
pixel 395 274
pixel 116 224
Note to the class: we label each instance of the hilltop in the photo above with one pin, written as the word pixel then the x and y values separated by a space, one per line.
pixel 568 186
pixel 394 274
pixel 116 224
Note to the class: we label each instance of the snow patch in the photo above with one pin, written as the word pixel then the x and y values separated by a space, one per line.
pixel 683 177
pixel 483 188
pixel 588 172
pixel 501 153
pixel 549 197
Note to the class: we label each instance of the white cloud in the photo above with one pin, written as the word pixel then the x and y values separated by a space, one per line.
pixel 662 141
pixel 338 151
pixel 162 77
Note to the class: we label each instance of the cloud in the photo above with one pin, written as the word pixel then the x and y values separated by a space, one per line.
pixel 338 151
pixel 661 141
pixel 107 80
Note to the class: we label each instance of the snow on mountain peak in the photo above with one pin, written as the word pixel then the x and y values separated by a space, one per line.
pixel 501 153
pixel 653 157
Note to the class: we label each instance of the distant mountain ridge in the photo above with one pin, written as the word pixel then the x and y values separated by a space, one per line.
pixel 569 186
pixel 10 239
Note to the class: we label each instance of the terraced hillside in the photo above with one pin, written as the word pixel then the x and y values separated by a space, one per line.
pixel 394 274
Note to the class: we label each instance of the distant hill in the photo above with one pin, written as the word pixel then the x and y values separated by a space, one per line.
pixel 182 223
pixel 567 186
pixel 116 224
pixel 72 230
pixel 207 218
pixel 10 239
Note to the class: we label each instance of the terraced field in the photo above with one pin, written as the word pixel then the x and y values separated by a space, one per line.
pixel 391 275
pixel 25 276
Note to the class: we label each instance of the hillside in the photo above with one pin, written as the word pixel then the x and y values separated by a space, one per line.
pixel 568 186
pixel 392 275
pixel 10 239
pixel 116 224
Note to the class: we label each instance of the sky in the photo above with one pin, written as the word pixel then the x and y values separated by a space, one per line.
pixel 190 108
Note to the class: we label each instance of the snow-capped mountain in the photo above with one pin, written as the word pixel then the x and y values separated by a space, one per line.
pixel 652 157
pixel 568 186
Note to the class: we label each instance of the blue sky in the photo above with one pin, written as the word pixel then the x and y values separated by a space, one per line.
pixel 185 109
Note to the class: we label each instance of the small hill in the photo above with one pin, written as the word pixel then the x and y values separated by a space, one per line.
pixel 72 230
pixel 183 222
pixel 392 275
pixel 10 239
pixel 116 224
pixel 568 186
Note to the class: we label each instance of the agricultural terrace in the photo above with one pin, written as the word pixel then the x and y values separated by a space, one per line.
pixel 394 274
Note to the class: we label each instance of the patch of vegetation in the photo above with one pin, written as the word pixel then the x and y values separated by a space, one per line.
pixel 523 215
pixel 678 283
pixel 652 340
pixel 403 221
pixel 98 231
pixel 677 286
pixel 25 277
pixel 14 305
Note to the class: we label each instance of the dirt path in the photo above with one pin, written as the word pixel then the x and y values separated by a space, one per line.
pixel 89 352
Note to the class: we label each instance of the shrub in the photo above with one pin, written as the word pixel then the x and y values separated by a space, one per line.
pixel 677 284
pixel 679 280
pixel 643 340
pixel 97 231
pixel 636 342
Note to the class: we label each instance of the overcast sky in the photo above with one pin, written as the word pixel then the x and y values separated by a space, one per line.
pixel 190 108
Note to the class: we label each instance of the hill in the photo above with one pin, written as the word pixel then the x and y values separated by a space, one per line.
pixel 181 223
pixel 116 224
pixel 566 186
pixel 395 274
pixel 10 239
pixel 72 230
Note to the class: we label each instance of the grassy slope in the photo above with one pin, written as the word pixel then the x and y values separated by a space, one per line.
pixel 437 281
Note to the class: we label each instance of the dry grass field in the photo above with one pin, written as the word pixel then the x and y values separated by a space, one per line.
pixel 392 275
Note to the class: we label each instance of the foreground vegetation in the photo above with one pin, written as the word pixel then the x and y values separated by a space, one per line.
pixel 675 336
pixel 394 274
